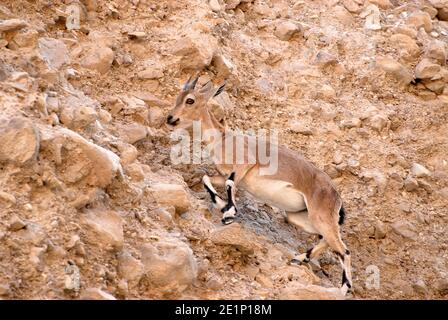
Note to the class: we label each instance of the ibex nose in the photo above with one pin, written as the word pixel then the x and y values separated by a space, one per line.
pixel 168 120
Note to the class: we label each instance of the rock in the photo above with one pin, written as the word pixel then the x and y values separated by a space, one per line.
pixel 426 69
pixel 128 153
pixel 5 290
pixel 72 279
pixel 223 66
pixel 7 197
pixel 332 171
pixel 410 184
pixel 95 294
pixel 130 268
pixel 409 31
pixel 196 51
pixel 97 58
pixel 396 69
pixel 234 235
pixel 105 228
pixel 379 178
pixel 351 123
pixel 436 50
pixel 383 4
pixel 436 86
pixel 298 291
pixel 372 15
pixel 342 15
pixel 16 224
pixel 214 5
pixel 133 133
pixel 24 39
pixel 169 265
pixel 76 114
pixel 12 25
pixel 420 19
pixel 285 30
pixel 378 122
pixel 137 35
pixel 81 160
pixel 351 6
pixel 380 230
pixel 54 52
pixel 442 286
pixel 419 171
pixel 171 195
pixel 420 287
pixel 20 140
pixel 297 126
pixel 408 47
pixel 405 229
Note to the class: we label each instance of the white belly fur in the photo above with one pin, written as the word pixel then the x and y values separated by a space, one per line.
pixel 277 193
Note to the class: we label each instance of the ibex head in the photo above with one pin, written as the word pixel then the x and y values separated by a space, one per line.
pixel 191 103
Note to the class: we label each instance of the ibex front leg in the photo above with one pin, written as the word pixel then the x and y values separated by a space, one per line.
pixel 229 211
pixel 218 203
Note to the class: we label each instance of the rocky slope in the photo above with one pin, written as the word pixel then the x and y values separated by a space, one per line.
pixel 92 207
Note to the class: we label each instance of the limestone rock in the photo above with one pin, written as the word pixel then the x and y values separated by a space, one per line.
pixel 16 224
pixel 54 52
pixel 106 228
pixel 133 133
pixel 383 4
pixel 196 51
pixel 420 19
pixel 20 140
pixel 285 30
pixel 426 69
pixel 130 268
pixel 297 291
pixel 419 171
pixel 95 294
pixel 405 229
pixel 97 58
pixel 410 184
pixel 169 265
pixel 79 159
pixel 12 25
pixel 234 235
pixel 396 69
pixel 436 50
pixel 408 47
pixel 171 195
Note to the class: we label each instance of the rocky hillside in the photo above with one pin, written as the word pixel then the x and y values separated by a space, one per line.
pixel 92 207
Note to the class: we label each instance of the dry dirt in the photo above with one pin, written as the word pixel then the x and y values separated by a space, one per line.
pixel 92 207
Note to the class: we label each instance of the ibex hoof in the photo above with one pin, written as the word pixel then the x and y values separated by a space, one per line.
pixel 227 220
pixel 296 262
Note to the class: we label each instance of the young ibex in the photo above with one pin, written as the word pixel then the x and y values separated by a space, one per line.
pixel 298 187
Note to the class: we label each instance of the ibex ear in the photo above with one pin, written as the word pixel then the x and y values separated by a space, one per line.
pixel 220 89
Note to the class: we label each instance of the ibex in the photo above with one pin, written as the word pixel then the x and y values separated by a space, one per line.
pixel 305 193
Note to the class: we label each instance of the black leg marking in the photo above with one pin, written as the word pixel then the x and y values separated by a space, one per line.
pixel 232 176
pixel 212 194
pixel 341 216
pixel 345 280
pixel 308 254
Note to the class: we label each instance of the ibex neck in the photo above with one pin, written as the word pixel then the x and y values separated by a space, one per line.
pixel 208 121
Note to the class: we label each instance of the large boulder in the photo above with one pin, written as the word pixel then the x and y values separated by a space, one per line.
pixel 169 265
pixel 54 52
pixel 196 51
pixel 19 140
pixel 104 228
pixel 78 160
pixel 235 236
pixel 171 195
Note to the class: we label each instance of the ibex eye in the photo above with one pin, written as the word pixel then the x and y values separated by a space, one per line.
pixel 189 101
